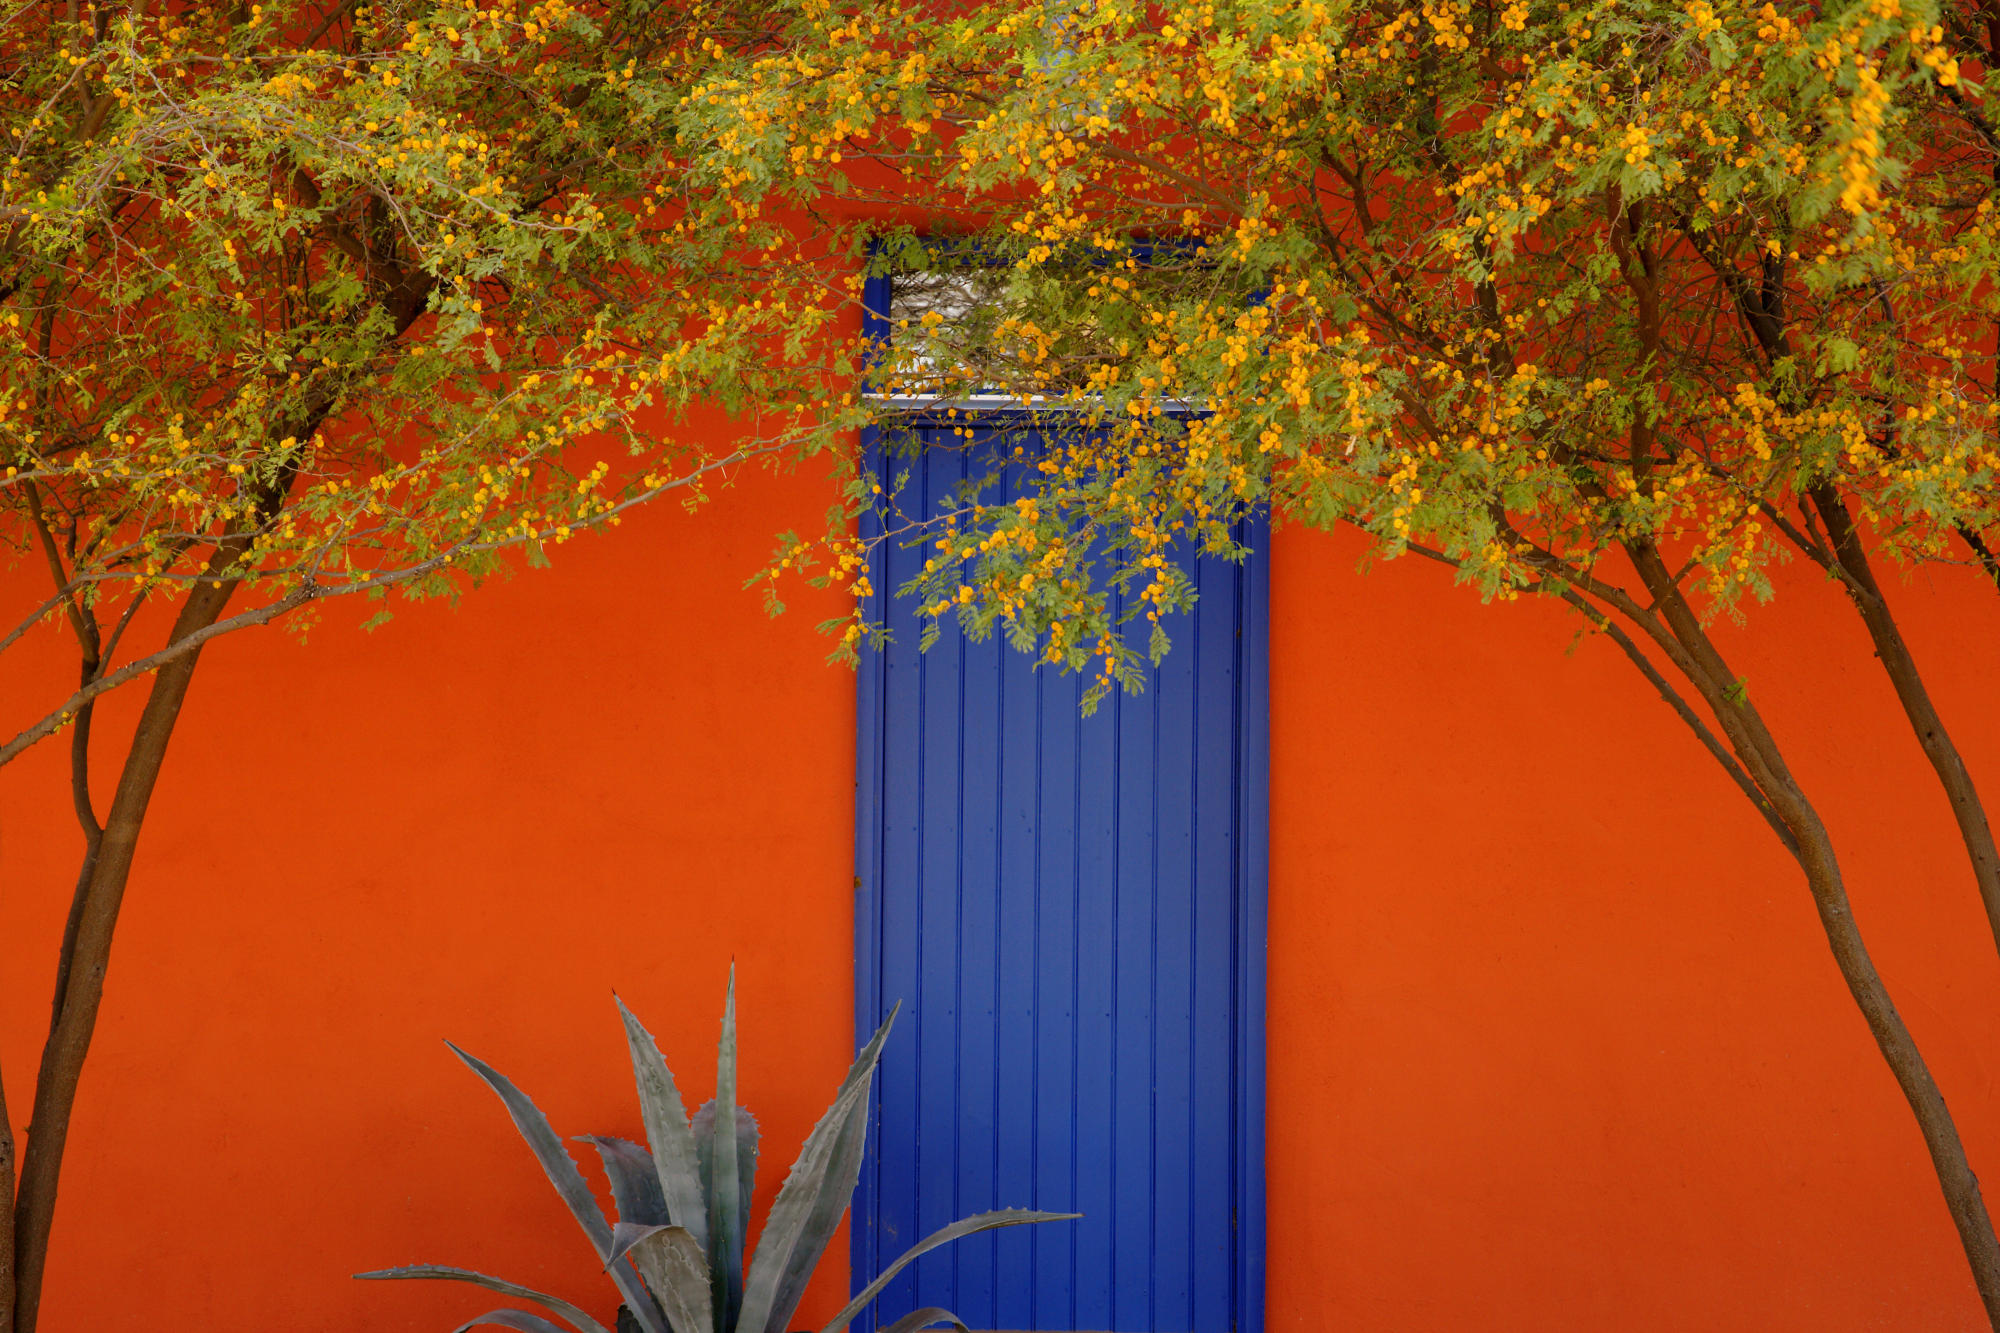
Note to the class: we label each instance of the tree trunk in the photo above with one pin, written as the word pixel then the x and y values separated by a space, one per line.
pixel 83 989
pixel 1706 669
pixel 1859 580
pixel 1954 1172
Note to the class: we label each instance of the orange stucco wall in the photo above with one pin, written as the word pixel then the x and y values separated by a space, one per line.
pixel 1554 1043
pixel 474 824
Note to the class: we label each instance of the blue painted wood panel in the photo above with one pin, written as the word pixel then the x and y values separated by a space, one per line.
pixel 1071 911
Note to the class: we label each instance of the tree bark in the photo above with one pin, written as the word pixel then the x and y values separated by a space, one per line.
pixel 1866 594
pixel 83 990
pixel 93 838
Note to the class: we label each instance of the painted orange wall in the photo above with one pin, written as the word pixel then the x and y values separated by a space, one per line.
pixel 473 824
pixel 1554 1043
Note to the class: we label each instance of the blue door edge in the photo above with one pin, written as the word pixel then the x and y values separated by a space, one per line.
pixel 865 1259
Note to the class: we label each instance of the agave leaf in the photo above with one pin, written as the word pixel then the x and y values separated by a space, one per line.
pixel 675 1268
pixel 965 1226
pixel 725 1205
pixel 827 1204
pixel 561 1170
pixel 924 1318
pixel 634 1185
pixel 746 1167
pixel 556 1162
pixel 746 1152
pixel 583 1322
pixel 627 1234
pixel 520 1320
pixel 667 1131
pixel 866 1058
pixel 816 1193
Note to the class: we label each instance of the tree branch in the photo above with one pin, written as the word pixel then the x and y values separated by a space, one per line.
pixel 310 590
pixel 1709 740
pixel 1858 578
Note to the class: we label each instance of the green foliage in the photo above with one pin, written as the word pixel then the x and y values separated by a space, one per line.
pixel 676 1251
pixel 1516 285
pixel 327 298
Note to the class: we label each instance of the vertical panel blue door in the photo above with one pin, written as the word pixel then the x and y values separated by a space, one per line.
pixel 1071 911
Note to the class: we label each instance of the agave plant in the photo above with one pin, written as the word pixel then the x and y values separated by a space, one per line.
pixel 683 1199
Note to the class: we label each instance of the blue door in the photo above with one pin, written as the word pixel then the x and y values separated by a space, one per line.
pixel 1071 910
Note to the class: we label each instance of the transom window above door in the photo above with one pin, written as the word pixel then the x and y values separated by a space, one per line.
pixel 980 337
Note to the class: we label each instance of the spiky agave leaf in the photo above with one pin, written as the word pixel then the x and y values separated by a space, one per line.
pixel 965 1226
pixel 816 1193
pixel 747 1136
pixel 562 1172
pixel 635 1186
pixel 924 1318
pixel 675 1268
pixel 669 1137
pixel 726 1214
pixel 519 1320
pixel 649 1259
pixel 445 1273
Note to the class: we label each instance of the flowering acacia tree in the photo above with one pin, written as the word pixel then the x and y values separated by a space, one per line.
pixel 317 299
pixel 1620 302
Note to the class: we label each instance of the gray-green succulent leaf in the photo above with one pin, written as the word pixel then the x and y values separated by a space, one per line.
pixel 581 1321
pixel 676 1252
pixel 668 1134
pixel 925 1318
pixel 519 1320
pixel 635 1185
pixel 1005 1217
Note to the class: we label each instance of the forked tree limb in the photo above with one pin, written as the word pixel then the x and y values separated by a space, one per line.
pixel 93 839
pixel 1709 740
pixel 175 650
pixel 1844 555
pixel 1600 619
pixel 309 590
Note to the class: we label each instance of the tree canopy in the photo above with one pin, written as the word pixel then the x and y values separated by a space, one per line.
pixel 331 298
pixel 1515 284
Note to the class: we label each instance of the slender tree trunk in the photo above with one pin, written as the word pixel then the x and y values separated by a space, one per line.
pixel 1947 1152
pixel 108 863
pixel 83 976
pixel 1702 663
pixel 1859 580
pixel 1765 318
pixel 93 838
